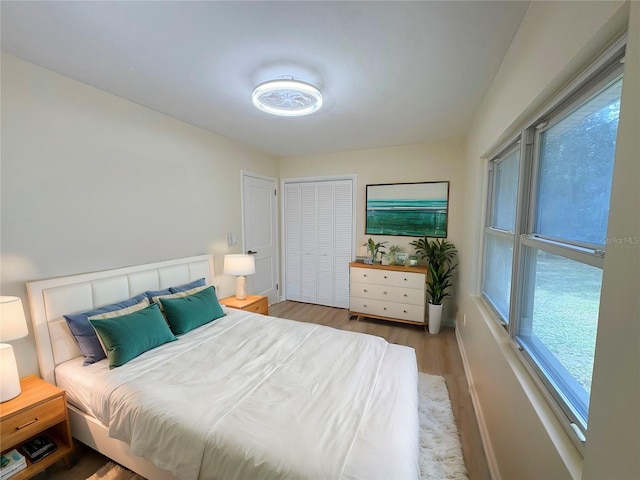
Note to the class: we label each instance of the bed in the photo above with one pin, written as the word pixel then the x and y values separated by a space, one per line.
pixel 244 396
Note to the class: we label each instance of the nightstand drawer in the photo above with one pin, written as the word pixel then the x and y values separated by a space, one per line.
pixel 261 306
pixel 253 303
pixel 26 424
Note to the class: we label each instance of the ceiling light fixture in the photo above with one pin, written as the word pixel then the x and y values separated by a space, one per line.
pixel 288 98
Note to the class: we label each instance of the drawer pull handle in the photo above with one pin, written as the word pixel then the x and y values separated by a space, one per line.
pixel 385 276
pixel 385 309
pixel 365 305
pixel 20 427
pixel 405 279
pixel 404 311
pixel 365 290
pixel 405 294
pixel 364 275
pixel 384 293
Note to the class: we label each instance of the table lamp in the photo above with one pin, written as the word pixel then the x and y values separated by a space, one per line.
pixel 240 265
pixel 13 325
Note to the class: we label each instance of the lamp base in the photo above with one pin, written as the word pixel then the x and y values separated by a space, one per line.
pixel 9 379
pixel 241 288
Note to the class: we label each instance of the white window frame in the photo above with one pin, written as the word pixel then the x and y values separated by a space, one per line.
pixel 491 230
pixel 602 72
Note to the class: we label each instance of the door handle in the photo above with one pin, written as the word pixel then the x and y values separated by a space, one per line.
pixel 251 252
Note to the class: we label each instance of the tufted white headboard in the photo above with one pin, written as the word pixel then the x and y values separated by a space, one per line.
pixel 52 298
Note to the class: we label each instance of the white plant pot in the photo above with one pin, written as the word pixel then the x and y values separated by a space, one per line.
pixel 435 317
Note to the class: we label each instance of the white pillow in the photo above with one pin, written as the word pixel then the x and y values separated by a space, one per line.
pixel 125 311
pixel 186 293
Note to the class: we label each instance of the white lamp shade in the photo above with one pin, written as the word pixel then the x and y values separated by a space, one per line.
pixel 13 324
pixel 239 264
pixel 9 379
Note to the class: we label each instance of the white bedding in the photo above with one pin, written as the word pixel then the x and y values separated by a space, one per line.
pixel 249 396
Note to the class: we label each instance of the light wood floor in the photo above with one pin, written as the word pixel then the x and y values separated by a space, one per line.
pixel 436 354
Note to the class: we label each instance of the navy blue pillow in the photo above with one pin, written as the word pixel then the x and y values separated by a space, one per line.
pixel 180 288
pixel 85 334
pixel 156 293
pixel 188 286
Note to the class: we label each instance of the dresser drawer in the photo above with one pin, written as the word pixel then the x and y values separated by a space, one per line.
pixel 388 293
pixel 22 426
pixel 388 277
pixel 364 306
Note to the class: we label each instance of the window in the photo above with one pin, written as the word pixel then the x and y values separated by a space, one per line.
pixel 499 232
pixel 545 236
pixel 576 170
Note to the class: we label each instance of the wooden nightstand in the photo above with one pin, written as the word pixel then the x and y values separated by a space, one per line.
pixel 253 303
pixel 40 408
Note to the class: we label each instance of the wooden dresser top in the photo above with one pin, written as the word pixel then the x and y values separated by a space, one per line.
pixel 395 268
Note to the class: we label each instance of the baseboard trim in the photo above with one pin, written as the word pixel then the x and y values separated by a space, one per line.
pixel 492 463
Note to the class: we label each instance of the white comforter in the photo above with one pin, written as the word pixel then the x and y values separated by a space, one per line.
pixel 250 396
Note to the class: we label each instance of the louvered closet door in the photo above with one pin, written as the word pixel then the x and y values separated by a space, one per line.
pixel 343 241
pixel 293 241
pixel 309 212
pixel 325 243
pixel 318 267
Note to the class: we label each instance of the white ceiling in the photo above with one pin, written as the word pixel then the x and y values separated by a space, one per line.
pixel 391 73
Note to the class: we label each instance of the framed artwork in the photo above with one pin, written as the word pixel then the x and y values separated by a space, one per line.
pixel 408 209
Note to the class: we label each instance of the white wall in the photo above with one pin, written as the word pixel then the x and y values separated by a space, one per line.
pixel 613 446
pixel 523 438
pixel 91 181
pixel 424 162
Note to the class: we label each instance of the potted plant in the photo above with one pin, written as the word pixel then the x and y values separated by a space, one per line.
pixel 393 249
pixel 374 248
pixel 440 255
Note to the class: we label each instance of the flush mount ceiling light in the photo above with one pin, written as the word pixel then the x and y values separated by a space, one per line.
pixel 289 98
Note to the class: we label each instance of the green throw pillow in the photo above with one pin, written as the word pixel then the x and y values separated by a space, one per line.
pixel 126 337
pixel 186 313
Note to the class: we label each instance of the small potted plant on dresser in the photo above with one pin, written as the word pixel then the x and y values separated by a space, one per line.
pixel 440 255
pixel 393 250
pixel 390 258
pixel 374 248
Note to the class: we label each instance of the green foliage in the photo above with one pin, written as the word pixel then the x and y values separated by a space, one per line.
pixel 374 248
pixel 440 255
pixel 439 282
pixel 394 248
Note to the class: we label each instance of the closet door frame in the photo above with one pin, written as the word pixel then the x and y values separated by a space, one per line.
pixel 283 224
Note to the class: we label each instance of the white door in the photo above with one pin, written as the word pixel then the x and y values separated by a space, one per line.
pixel 259 218
pixel 309 259
pixel 293 241
pixel 318 241
pixel 344 243
pixel 325 243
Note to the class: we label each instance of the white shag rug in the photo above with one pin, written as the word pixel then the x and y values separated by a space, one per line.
pixel 440 451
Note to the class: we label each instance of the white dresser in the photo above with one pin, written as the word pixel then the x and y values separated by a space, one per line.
pixel 388 292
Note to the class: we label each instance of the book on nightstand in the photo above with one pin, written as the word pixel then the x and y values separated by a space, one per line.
pixel 38 448
pixel 11 463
